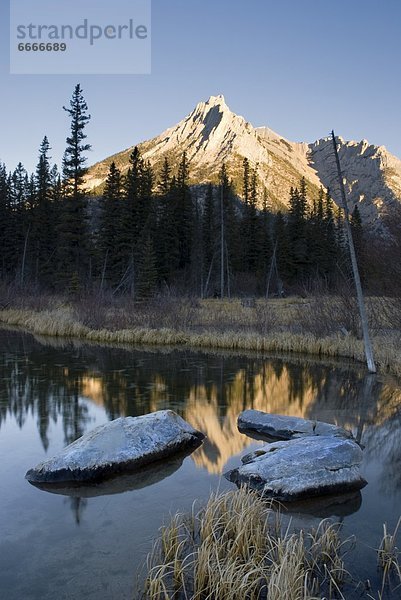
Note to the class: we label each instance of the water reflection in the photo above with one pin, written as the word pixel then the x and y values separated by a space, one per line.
pixel 55 380
pixel 51 391
pixel 119 484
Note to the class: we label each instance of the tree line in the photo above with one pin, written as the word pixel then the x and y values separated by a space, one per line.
pixel 152 231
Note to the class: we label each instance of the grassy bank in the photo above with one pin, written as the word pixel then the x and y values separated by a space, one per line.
pixel 237 548
pixel 326 326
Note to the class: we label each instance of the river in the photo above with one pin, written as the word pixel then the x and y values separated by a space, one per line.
pixel 84 546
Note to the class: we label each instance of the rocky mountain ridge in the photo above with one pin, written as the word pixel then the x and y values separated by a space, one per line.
pixel 212 135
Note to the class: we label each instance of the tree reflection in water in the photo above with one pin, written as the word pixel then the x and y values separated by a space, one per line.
pixel 54 380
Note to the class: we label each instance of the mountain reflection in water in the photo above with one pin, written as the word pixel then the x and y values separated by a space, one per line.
pixel 54 380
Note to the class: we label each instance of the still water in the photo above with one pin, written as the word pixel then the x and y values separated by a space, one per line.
pixel 52 391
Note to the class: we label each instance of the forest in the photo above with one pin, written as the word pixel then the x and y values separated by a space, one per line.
pixel 152 233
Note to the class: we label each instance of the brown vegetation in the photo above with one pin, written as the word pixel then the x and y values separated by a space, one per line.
pixel 238 548
pixel 322 326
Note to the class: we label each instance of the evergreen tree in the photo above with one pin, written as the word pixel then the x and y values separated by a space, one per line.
pixel 108 236
pixel 317 238
pixel 74 157
pixel 266 249
pixel 164 185
pixel 331 242
pixel 147 270
pixel 297 233
pixel 43 222
pixel 73 246
pixel 19 222
pixel 282 244
pixel 6 237
pixel 167 244
pixel 246 182
pixel 209 233
pixel 183 213
pixel 252 233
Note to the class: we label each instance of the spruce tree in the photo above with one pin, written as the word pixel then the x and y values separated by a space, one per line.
pixel 183 213
pixel 6 237
pixel 209 235
pixel 266 249
pixel 147 272
pixel 73 232
pixel 252 233
pixel 297 232
pixel 43 223
pixel 19 222
pixel 165 178
pixel 111 261
pixel 246 183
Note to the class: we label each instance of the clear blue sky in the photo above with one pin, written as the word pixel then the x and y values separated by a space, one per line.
pixel 301 67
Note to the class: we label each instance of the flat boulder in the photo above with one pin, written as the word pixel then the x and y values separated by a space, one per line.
pixel 302 468
pixel 122 445
pixel 280 427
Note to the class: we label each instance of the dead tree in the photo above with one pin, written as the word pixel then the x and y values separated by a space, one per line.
pixel 355 270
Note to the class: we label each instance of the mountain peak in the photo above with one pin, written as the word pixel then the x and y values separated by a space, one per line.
pixel 213 135
pixel 217 101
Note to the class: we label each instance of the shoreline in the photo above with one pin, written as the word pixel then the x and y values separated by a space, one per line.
pixel 62 323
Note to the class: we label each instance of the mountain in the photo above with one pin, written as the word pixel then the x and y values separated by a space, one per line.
pixel 212 135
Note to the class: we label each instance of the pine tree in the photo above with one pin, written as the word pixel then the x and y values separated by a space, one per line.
pixel 6 237
pixel 19 222
pixel 147 270
pixel 316 243
pixel 110 256
pixel 282 244
pixel 252 233
pixel 166 247
pixel 43 222
pixel 266 249
pixel 297 232
pixel 330 230
pixel 73 246
pixel 183 212
pixel 246 184
pixel 74 158
pixel 164 185
pixel 209 234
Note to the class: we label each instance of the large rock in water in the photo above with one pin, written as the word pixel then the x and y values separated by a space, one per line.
pixel 120 445
pixel 281 427
pixel 302 468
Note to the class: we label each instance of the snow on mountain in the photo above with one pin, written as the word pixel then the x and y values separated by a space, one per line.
pixel 212 135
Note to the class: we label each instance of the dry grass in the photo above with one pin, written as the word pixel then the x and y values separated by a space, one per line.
pixel 388 559
pixel 326 326
pixel 237 549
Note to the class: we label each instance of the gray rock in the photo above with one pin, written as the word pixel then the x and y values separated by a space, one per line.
pixel 122 445
pixel 280 427
pixel 302 468
pixel 120 483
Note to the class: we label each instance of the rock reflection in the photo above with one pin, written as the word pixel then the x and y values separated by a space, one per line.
pixel 115 485
pixel 59 380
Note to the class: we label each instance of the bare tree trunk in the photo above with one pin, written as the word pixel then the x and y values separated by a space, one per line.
pixel 228 274
pixel 357 279
pixel 24 256
pixel 208 276
pixel 272 266
pixel 103 272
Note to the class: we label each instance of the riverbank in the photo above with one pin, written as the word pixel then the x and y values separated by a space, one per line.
pixel 326 326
